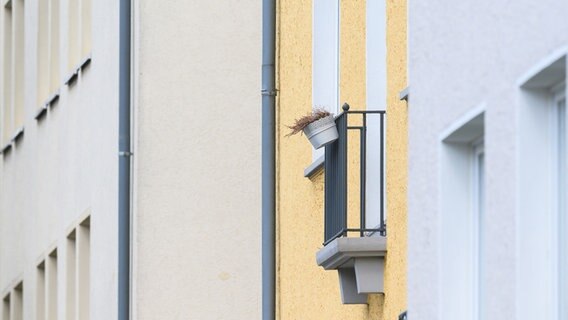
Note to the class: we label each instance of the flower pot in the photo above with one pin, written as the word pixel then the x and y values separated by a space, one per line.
pixel 322 132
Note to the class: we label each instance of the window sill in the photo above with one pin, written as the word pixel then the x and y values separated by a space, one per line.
pixel 315 167
pixel 404 94
pixel 49 103
pixel 18 135
pixel 6 148
pixel 16 138
pixel 77 69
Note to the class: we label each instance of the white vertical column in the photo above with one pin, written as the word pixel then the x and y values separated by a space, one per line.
pixel 376 61
pixel 325 58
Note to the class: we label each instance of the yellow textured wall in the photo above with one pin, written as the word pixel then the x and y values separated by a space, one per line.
pixel 304 290
pixel 397 143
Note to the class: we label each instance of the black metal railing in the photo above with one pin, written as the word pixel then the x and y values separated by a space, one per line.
pixel 336 176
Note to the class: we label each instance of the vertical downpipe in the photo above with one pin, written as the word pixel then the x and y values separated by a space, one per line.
pixel 268 158
pixel 124 158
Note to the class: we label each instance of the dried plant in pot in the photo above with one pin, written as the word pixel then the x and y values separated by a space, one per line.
pixel 318 126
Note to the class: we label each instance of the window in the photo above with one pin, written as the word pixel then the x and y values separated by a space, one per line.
pixel 6 307
pixel 478 189
pixel 40 291
pixel 325 58
pixel 18 302
pixel 78 271
pixel 559 106
pixel 462 194
pixel 13 69
pixel 13 304
pixel 51 285
pixel 48 49
pixel 79 32
pixel 71 275
pixel 46 291
pixel 541 213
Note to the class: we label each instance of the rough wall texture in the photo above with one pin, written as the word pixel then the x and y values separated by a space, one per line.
pixel 397 164
pixel 197 170
pixel 304 290
pixel 461 56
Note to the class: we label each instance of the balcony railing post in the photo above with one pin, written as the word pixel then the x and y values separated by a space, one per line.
pixel 382 175
pixel 363 174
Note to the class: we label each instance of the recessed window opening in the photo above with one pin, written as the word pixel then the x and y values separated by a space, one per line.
pixel 7 75
pixel 18 302
pixel 13 69
pixel 71 276
pixel 40 291
pixel 462 210
pixel 6 307
pixel 541 239
pixel 559 118
pixel 51 286
pixel 78 271
pixel 478 204
pixel 80 25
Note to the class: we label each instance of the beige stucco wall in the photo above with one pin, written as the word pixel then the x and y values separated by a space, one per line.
pixel 197 160
pixel 304 290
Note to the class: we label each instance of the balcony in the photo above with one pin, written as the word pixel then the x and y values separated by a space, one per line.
pixel 354 246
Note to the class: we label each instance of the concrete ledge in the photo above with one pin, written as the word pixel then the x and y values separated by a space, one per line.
pixel 360 263
pixel 341 251
pixel 404 94
pixel 315 167
pixel 74 74
pixel 6 148
pixel 18 135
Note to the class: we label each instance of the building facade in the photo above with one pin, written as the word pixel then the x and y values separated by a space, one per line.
pixel 330 53
pixel 487 218
pixel 195 185
pixel 58 166
pixel 196 192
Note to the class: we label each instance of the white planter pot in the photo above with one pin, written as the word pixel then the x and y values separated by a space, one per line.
pixel 322 132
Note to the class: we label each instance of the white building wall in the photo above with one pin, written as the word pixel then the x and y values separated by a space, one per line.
pixel 462 55
pixel 65 167
pixel 197 160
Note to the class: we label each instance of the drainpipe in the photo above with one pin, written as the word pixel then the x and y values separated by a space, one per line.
pixel 124 159
pixel 268 159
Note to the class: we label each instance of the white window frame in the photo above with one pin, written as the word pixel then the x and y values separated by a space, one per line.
pixel 537 223
pixel 460 256
pixel 478 213
pixel 325 58
pixel 559 157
